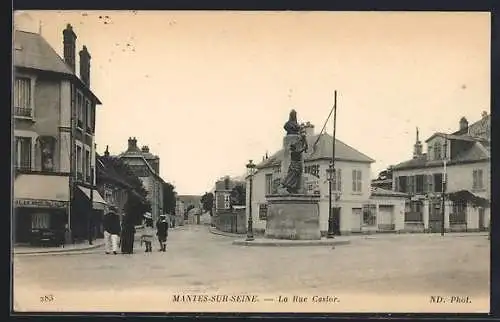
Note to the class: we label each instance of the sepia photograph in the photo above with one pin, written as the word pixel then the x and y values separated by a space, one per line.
pixel 251 161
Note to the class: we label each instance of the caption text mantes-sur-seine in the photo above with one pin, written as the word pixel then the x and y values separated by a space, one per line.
pixel 203 298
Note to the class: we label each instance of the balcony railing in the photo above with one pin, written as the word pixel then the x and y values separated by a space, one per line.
pixel 80 124
pixel 88 179
pixel 22 111
pixel 24 167
pixel 89 129
pixel 79 176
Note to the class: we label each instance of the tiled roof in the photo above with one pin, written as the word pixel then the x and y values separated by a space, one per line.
pixel 323 150
pixel 32 51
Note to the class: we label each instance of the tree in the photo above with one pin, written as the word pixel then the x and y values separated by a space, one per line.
pixel 238 195
pixel 137 203
pixel 169 200
pixel 207 201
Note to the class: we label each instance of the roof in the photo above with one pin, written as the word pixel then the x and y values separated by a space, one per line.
pixel 140 156
pixel 32 51
pixel 478 127
pixel 464 137
pixel 189 199
pixel 323 150
pixel 376 191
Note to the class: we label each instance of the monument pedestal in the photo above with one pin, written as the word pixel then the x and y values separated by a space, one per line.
pixel 293 217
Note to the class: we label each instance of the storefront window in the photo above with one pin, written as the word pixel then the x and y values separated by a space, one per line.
pixel 40 221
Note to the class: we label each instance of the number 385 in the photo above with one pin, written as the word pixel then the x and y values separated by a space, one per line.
pixel 46 298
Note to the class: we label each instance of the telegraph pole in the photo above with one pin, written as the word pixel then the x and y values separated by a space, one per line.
pixel 443 187
pixel 91 204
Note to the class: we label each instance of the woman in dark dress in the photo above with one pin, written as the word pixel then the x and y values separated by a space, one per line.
pixel 127 236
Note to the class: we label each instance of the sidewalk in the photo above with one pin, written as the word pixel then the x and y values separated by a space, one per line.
pixel 379 236
pixel 71 248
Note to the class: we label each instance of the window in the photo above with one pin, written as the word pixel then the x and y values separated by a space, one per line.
pixel 402 184
pixel 40 221
pixel 22 97
pixel 337 180
pixel 87 166
pixel 438 182
pixel 22 155
pixel 477 179
pixel 312 170
pixel 429 152
pixel 227 201
pixel 429 183
pixel 88 116
pixel 369 215
pixel 269 184
pixel 79 106
pixel 411 184
pixel 458 213
pixel 437 151
pixel 79 162
pixel 419 183
pixel 356 180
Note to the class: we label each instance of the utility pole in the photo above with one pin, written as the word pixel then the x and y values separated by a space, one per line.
pixel 91 212
pixel 443 186
pixel 71 160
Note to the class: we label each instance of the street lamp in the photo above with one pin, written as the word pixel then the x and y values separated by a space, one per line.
pixel 331 176
pixel 250 173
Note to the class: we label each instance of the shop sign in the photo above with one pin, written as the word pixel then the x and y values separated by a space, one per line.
pixel 40 203
pixel 262 211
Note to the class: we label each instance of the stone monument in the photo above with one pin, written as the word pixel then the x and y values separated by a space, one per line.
pixel 292 213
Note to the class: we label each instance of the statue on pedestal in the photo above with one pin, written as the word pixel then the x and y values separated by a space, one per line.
pixel 292 182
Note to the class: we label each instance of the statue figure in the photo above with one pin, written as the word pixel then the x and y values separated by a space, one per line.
pixel 292 126
pixel 47 152
pixel 292 181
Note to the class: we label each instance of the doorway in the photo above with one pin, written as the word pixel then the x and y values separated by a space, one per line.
pixel 482 226
pixel 336 220
pixel 357 219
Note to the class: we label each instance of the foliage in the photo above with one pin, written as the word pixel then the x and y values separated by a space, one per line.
pixel 238 195
pixel 136 204
pixel 169 199
pixel 385 174
pixel 207 200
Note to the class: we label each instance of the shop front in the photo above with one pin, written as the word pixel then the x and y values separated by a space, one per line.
pixel 40 208
pixel 87 217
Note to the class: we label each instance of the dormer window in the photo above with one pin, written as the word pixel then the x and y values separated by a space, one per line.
pixel 437 151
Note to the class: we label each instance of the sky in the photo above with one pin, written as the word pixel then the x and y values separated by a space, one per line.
pixel 207 91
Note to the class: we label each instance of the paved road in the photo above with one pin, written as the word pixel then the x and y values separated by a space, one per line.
pixel 197 261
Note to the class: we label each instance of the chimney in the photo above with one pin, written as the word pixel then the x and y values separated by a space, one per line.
pixel 69 41
pixel 85 66
pixel 106 153
pixel 484 114
pixel 145 149
pixel 464 124
pixel 132 144
pixel 308 128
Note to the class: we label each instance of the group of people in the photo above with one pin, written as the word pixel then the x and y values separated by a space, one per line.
pixel 121 234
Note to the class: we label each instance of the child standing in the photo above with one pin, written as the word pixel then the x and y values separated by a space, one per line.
pixel 148 232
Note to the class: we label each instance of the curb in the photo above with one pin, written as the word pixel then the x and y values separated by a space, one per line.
pixel 61 251
pixel 291 243
pixel 222 233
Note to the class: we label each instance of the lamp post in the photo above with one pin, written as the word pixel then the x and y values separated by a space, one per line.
pixel 331 171
pixel 330 176
pixel 250 172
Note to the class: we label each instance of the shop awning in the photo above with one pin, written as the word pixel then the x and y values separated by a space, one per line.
pixel 41 191
pixel 98 202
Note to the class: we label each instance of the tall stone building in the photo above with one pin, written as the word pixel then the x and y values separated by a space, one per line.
pixel 54 114
pixel 147 167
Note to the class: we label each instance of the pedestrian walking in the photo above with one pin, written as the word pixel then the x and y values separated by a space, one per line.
pixel 111 231
pixel 148 232
pixel 162 232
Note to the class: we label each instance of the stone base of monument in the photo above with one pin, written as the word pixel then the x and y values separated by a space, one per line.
pixel 292 243
pixel 293 217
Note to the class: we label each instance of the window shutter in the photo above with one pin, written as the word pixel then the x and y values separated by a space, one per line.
pixel 430 183
pixel 396 183
pixel 480 179
pixel 353 180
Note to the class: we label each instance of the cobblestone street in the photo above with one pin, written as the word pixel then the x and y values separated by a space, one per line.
pixel 197 261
